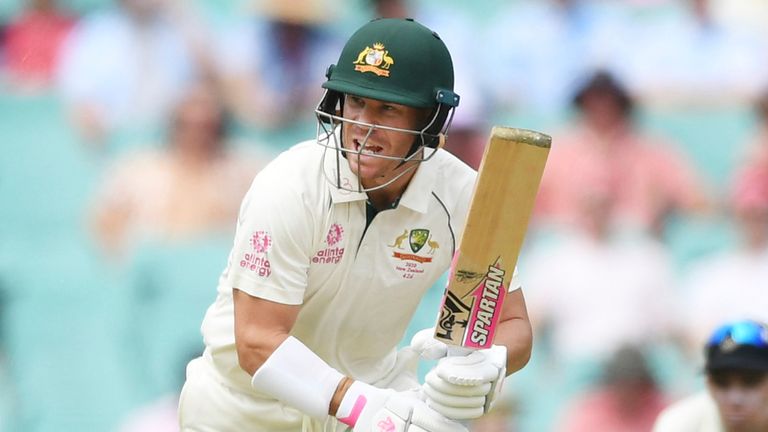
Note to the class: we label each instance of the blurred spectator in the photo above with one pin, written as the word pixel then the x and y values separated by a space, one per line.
pixel 472 119
pixel 536 50
pixel 689 57
pixel 391 8
pixel 757 146
pixel 32 44
pixel 608 286
pixel 590 290
pixel 746 14
pixel 736 397
pixel 191 187
pixel 732 283
pixel 125 68
pixel 628 399
pixel 649 178
pixel 272 65
pixel 469 133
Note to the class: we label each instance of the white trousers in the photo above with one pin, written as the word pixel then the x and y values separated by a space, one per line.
pixel 208 404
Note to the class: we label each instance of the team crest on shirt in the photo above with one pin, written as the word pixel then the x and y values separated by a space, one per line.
pixel 256 259
pixel 332 253
pixel 374 59
pixel 412 249
pixel 418 238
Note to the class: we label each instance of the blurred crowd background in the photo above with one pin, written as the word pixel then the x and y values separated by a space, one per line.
pixel 130 129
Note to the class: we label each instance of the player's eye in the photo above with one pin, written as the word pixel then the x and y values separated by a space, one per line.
pixel 390 110
pixel 356 101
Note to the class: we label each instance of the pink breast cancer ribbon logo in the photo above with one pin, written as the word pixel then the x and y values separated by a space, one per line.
pixel 334 234
pixel 261 241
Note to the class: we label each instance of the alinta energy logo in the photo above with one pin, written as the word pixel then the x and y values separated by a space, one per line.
pixel 256 261
pixel 331 254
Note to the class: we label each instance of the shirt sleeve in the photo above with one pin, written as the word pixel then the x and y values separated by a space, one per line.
pixel 270 256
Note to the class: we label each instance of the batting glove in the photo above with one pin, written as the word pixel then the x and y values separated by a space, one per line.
pixel 461 387
pixel 366 408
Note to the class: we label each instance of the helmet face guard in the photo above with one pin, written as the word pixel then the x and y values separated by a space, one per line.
pixel 329 135
pixel 391 60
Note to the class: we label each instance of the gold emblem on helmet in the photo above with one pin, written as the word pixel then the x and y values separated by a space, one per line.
pixel 376 60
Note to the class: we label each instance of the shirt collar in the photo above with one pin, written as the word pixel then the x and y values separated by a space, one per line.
pixel 331 161
pixel 416 196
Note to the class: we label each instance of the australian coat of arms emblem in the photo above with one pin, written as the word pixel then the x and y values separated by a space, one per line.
pixel 376 60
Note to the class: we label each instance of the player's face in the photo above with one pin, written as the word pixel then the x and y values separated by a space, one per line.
pixel 370 169
pixel 741 398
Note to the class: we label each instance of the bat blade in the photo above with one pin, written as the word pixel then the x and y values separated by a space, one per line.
pixel 501 206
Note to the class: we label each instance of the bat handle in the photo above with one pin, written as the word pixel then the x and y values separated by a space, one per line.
pixel 459 351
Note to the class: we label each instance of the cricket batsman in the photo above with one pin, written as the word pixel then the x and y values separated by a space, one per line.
pixel 337 241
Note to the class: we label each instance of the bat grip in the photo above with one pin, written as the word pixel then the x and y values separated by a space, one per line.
pixel 459 351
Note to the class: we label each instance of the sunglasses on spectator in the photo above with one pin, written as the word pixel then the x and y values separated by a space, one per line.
pixel 741 333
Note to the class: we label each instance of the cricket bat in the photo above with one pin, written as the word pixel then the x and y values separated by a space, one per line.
pixel 501 206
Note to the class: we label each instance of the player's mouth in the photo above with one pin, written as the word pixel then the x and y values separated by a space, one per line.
pixel 368 149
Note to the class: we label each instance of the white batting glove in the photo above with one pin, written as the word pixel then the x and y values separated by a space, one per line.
pixel 366 408
pixel 461 387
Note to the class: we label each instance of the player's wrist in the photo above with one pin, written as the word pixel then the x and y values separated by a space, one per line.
pixel 297 377
pixel 338 395
pixel 360 402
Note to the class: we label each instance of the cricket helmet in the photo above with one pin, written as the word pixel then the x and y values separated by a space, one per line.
pixel 392 60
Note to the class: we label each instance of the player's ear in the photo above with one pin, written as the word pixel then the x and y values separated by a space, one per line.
pixel 435 133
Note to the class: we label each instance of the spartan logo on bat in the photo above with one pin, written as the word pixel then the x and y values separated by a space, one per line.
pixel 452 307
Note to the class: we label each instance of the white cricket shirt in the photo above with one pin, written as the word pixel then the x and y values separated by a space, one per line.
pixel 300 240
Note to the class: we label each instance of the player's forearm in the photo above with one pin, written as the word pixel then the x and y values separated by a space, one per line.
pixel 516 334
pixel 253 356
pixel 254 347
pixel 260 327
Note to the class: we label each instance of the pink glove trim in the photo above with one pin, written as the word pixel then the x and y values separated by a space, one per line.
pixel 351 419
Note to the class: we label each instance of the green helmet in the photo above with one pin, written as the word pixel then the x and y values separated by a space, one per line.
pixel 399 61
